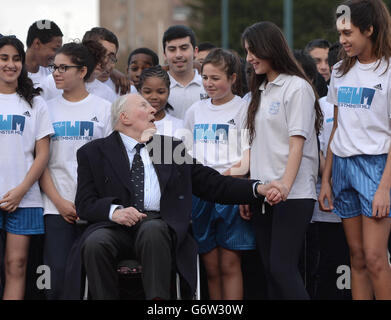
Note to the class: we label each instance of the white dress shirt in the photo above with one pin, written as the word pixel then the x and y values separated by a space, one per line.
pixel 152 192
pixel 182 97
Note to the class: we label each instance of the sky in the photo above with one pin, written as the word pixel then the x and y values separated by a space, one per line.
pixel 74 17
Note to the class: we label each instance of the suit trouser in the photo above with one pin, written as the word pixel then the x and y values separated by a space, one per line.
pixel 59 238
pixel 149 242
pixel 280 234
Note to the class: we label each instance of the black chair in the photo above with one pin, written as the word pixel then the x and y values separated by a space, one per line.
pixel 130 272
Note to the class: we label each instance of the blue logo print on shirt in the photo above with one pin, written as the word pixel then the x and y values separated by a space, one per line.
pixel 12 124
pixel 211 133
pixel 73 130
pixel 355 97
pixel 274 108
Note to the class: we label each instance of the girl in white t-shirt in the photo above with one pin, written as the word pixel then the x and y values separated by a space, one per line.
pixel 358 161
pixel 154 86
pixel 283 119
pixel 24 139
pixel 216 125
pixel 93 85
pixel 77 117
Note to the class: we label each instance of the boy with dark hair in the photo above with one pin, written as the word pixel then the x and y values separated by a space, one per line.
pixel 334 53
pixel 113 78
pixel 179 45
pixel 44 37
pixel 318 49
pixel 203 50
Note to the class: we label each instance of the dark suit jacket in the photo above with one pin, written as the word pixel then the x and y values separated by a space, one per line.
pixel 104 175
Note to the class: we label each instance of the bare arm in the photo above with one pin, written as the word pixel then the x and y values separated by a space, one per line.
pixel 121 81
pixel 66 208
pixel 12 198
pixel 381 200
pixel 325 191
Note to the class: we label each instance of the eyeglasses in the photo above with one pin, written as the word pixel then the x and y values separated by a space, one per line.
pixel 61 68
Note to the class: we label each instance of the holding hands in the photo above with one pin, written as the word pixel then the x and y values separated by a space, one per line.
pixel 274 192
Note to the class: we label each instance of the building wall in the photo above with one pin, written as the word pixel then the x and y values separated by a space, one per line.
pixel 140 23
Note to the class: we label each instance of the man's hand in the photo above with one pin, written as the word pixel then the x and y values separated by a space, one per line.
pixel 128 216
pixel 274 196
pixel 274 192
pixel 121 81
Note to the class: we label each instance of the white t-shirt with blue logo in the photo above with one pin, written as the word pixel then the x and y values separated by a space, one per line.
pixel 218 140
pixel 363 99
pixel 75 124
pixel 20 127
pixel 286 109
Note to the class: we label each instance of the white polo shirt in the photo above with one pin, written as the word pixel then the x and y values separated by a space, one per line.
pixel 363 99
pixel 286 109
pixel 181 98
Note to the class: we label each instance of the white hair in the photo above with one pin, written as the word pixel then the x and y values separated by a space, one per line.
pixel 117 108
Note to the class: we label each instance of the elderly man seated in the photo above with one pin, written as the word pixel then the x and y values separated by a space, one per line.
pixel 139 188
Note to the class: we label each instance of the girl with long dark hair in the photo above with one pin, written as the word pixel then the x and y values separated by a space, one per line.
pixel 283 119
pixel 358 161
pixel 24 139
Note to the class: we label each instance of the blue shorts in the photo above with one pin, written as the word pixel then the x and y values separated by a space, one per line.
pixel 220 225
pixel 23 221
pixel 355 182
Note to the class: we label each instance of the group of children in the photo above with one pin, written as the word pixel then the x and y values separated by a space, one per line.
pixel 54 99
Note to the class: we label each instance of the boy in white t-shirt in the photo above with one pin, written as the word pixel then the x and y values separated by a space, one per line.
pixel 77 117
pixel 116 80
pixel 44 38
